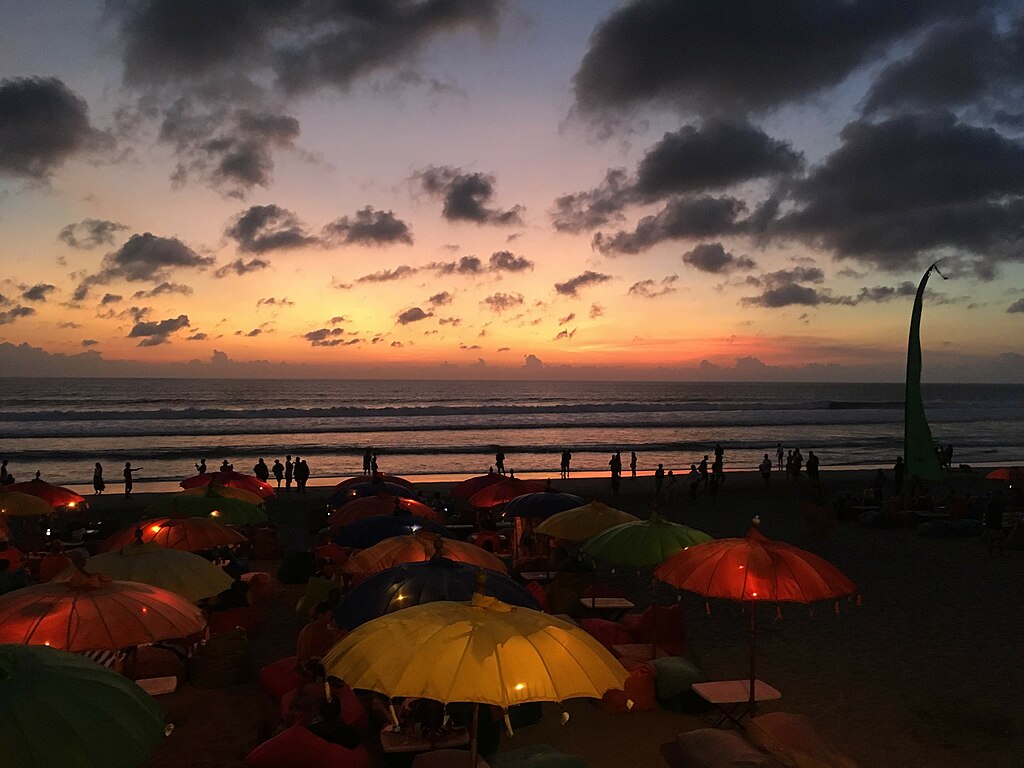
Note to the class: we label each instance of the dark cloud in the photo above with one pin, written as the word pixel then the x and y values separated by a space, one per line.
pixel 506 261
pixel 571 286
pixel 1017 306
pixel 144 257
pixel 264 228
pixel 713 258
pixel 681 218
pixel 90 233
pixel 467 196
pixel 415 314
pixel 369 227
pixel 501 302
pixel 38 292
pixel 241 267
pixel 157 332
pixel 649 289
pixel 440 299
pixel 10 315
pixel 42 124
pixel 729 55
pixel 163 289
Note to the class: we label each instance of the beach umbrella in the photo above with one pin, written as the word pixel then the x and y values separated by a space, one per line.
pixel 468 487
pixel 90 613
pixel 643 544
pixel 368 488
pixel 224 492
pixel 363 534
pixel 224 510
pixel 189 534
pixel 751 570
pixel 54 495
pixel 417 548
pixel 14 504
pixel 61 709
pixel 584 522
pixel 484 651
pixel 191 576
pixel 542 504
pixel 436 579
pixel 1013 475
pixel 380 476
pixel 231 479
pixel 503 492
pixel 381 504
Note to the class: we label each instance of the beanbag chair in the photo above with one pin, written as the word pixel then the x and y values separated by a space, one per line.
pixel 792 740
pixel 640 690
pixel 536 756
pixel 661 625
pixel 714 748
pixel 281 676
pixel 674 677
pixel 353 712
pixel 299 746
pixel 607 633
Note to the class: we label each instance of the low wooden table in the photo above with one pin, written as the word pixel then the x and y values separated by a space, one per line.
pixel 732 698
pixel 392 741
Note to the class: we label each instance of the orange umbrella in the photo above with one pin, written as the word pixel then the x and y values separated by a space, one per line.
pixel 417 548
pixel 54 495
pixel 231 480
pixel 381 476
pixel 189 534
pixel 90 613
pixel 751 570
pixel 381 504
pixel 504 491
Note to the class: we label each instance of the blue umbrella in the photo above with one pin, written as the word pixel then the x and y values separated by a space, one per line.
pixel 369 488
pixel 412 584
pixel 365 533
pixel 542 505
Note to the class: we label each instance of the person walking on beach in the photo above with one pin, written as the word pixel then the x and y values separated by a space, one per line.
pixel 499 461
pixel 367 460
pixel 98 485
pixel 128 480
pixel 288 472
pixel 779 457
pixel 278 470
pixel 261 470
pixel 632 464
pixel 812 468
pixel 659 479
pixel 566 458
pixel 201 467
pixel 301 474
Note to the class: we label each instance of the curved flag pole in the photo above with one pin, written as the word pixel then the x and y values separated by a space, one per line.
pixel 918 448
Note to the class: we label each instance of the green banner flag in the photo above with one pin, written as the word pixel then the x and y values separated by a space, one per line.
pixel 918 448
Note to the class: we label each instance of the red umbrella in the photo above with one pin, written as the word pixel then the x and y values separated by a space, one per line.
pixel 467 488
pixel 1008 474
pixel 381 504
pixel 231 480
pixel 504 491
pixel 383 476
pixel 54 495
pixel 189 534
pixel 751 570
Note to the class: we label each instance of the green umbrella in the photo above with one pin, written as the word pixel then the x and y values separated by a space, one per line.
pixel 643 544
pixel 59 708
pixel 224 510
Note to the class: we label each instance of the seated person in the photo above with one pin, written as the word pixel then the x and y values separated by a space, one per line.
pixel 317 637
pixel 235 596
pixel 11 580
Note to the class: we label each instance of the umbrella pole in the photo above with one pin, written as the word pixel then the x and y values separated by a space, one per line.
pixel 753 644
pixel 472 736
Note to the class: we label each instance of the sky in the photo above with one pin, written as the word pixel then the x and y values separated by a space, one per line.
pixel 655 189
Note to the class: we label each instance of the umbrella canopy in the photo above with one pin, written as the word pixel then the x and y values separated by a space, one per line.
pixel 14 504
pixel 581 523
pixel 191 576
pixel 89 613
pixel 417 548
pixel 249 483
pixel 503 492
pixel 412 584
pixel 381 504
pixel 542 504
pixel 224 492
pixel 60 708
pixel 368 488
pixel 1007 474
pixel 224 510
pixel 188 534
pixel 484 651
pixel 380 476
pixel 643 544
pixel 467 488
pixel 363 534
pixel 54 495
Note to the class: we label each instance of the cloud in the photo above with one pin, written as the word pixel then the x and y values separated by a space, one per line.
pixel 10 315
pixel 1017 306
pixel 415 314
pixel 90 233
pixel 440 299
pixel 501 302
pixel 649 289
pixel 42 124
pixel 467 196
pixel 38 292
pixel 369 227
pixel 681 218
pixel 241 267
pixel 158 332
pixel 571 286
pixel 726 56
pixel 142 258
pixel 162 289
pixel 713 258
pixel 264 228
pixel 506 261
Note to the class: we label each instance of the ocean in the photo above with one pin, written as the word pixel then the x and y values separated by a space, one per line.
pixel 62 426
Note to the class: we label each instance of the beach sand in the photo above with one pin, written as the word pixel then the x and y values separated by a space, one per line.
pixel 926 672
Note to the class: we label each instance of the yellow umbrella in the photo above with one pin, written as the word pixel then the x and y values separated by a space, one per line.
pixel 191 576
pixel 581 523
pixel 224 492
pixel 485 651
pixel 15 504
pixel 418 548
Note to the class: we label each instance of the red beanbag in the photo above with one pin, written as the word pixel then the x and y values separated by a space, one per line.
pixel 281 676
pixel 353 712
pixel 298 746
pixel 640 689
pixel 607 633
